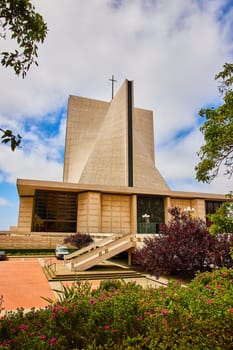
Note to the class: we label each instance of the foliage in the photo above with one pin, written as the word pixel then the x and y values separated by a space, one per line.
pixel 110 285
pixel 28 252
pixel 218 132
pixel 199 316
pixel 7 136
pixel 1 303
pixel 222 219
pixel 26 28
pixel 71 293
pixel 79 240
pixel 184 246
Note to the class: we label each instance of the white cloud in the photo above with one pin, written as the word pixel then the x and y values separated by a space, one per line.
pixel 177 161
pixel 31 166
pixel 38 158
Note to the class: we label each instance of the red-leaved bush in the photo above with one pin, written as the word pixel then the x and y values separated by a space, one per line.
pixel 79 240
pixel 183 246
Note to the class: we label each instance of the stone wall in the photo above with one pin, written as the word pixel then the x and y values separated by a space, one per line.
pixel 89 207
pixel 197 204
pixel 30 241
pixel 116 213
pixel 25 214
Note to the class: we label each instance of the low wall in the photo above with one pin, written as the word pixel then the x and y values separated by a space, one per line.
pixel 30 241
pixel 43 240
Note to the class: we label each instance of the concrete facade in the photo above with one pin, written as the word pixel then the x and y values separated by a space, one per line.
pixel 98 139
pixel 109 165
pixel 106 209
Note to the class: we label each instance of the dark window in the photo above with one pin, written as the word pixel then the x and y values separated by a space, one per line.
pixel 55 211
pixel 150 213
pixel 212 206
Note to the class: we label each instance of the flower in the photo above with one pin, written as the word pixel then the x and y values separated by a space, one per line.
pixel 164 311
pixel 52 341
pixel 106 327
pixel 147 312
pixel 231 310
pixel 139 318
pixel 22 327
pixel 42 337
pixel 209 301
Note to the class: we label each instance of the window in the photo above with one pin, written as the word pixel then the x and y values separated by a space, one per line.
pixel 55 211
pixel 212 206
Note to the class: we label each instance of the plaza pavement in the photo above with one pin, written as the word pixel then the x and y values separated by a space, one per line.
pixel 23 284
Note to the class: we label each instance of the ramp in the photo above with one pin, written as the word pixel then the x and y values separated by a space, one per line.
pixel 96 253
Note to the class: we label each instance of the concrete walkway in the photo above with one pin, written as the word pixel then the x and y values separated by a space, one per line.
pixel 23 284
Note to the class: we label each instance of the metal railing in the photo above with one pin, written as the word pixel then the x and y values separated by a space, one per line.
pixel 148 227
pixel 50 266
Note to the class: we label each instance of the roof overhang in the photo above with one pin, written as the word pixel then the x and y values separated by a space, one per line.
pixel 28 187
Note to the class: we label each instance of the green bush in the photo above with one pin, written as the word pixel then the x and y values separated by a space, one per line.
pixel 126 316
pixel 29 252
pixel 222 219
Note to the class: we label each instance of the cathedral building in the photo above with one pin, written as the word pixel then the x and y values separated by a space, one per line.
pixel 111 184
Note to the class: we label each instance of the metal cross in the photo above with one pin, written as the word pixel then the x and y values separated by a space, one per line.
pixel 113 81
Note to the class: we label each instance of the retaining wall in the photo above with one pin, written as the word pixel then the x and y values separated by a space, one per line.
pixel 30 241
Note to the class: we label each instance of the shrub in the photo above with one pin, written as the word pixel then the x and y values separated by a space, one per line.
pixel 184 246
pixel 222 219
pixel 199 316
pixel 79 240
pixel 110 285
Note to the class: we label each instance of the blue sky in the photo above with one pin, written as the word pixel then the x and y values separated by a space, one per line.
pixel 171 49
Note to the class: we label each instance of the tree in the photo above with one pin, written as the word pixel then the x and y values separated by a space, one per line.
pixel 218 132
pixel 27 29
pixel 7 136
pixel 19 19
pixel 184 246
pixel 222 219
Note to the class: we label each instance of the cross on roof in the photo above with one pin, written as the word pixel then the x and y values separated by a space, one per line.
pixel 113 81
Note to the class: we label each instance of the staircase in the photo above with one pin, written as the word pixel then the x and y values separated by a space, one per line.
pixel 58 275
pixel 96 253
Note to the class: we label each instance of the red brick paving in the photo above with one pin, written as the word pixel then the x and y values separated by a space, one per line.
pixel 23 283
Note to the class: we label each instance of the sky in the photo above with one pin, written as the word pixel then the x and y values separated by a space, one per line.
pixel 171 49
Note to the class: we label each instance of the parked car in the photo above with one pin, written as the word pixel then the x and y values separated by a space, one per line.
pixel 61 251
pixel 3 255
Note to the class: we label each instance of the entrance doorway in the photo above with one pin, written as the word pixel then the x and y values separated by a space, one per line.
pixel 150 213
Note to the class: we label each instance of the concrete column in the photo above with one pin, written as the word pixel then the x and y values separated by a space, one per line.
pixel 133 214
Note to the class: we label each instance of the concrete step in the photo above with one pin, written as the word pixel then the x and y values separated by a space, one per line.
pixel 92 275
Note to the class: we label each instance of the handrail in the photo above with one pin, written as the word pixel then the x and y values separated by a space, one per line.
pixel 94 245
pixel 148 227
pixel 104 251
pixel 50 266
